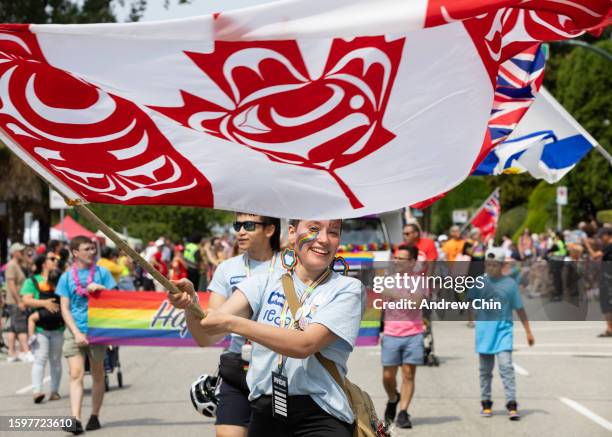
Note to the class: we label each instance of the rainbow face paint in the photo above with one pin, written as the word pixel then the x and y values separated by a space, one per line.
pixel 307 238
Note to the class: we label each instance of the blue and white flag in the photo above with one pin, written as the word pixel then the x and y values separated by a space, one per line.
pixel 547 143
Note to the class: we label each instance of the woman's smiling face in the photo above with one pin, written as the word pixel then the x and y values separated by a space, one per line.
pixel 316 242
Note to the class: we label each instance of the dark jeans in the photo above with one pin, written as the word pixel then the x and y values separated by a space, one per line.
pixel 306 419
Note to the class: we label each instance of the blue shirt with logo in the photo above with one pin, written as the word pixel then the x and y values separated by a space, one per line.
pixel 80 304
pixel 494 327
pixel 232 272
pixel 337 304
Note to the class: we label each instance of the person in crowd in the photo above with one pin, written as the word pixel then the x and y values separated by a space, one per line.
pixel 178 267
pixel 15 274
pixel 158 262
pixel 556 255
pixel 605 282
pixel 331 307
pixel 507 242
pixel 127 278
pixel 203 263
pixel 494 331
pixel 74 287
pixel 454 245
pixel 108 259
pixel 402 342
pixel 526 247
pixel 259 238
pixel 38 293
pixel 190 256
pixel 426 246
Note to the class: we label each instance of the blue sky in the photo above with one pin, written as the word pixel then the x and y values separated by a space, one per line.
pixel 156 11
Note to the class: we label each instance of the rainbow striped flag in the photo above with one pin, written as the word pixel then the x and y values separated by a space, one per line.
pixel 144 318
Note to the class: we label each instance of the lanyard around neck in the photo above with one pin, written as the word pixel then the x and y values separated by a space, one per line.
pixel 247 264
pixel 296 317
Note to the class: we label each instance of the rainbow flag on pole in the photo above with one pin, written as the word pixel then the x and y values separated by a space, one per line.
pixel 144 318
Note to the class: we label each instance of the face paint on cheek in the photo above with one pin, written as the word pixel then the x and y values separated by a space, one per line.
pixel 307 238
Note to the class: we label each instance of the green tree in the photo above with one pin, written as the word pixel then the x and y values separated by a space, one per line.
pixel 584 81
pixel 150 222
pixel 468 195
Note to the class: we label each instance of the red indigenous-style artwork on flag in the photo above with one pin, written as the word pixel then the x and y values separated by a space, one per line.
pixel 494 27
pixel 277 108
pixel 102 146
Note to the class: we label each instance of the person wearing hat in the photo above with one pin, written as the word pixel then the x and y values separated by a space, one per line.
pixel 15 275
pixel 494 328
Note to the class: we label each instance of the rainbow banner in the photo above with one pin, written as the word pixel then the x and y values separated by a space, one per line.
pixel 144 318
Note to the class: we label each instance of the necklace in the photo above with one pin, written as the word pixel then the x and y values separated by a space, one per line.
pixel 75 276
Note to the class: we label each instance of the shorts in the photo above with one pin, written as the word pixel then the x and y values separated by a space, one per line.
pixel 70 349
pixel 305 418
pixel 402 350
pixel 234 407
pixel 18 320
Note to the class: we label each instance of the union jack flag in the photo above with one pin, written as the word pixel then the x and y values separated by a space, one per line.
pixel 487 216
pixel 518 82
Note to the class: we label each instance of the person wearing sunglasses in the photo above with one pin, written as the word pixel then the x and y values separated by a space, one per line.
pixel 258 239
pixel 331 307
pixel 45 324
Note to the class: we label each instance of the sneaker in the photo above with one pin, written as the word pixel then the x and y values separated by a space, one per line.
pixel 10 359
pixel 76 429
pixel 391 409
pixel 93 423
pixel 403 420
pixel 38 397
pixel 513 411
pixel 27 357
pixel 54 397
pixel 487 408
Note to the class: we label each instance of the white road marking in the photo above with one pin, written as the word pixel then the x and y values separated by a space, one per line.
pixel 587 413
pixel 521 371
pixel 29 387
pixel 539 345
pixel 565 353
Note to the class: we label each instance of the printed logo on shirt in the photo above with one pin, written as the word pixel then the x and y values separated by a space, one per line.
pixel 272 309
pixel 276 298
pixel 234 280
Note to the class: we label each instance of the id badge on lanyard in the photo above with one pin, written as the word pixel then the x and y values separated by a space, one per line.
pixel 280 395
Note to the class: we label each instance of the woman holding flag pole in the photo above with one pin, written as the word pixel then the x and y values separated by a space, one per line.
pixel 291 390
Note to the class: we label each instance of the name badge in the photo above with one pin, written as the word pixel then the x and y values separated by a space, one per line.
pixel 280 395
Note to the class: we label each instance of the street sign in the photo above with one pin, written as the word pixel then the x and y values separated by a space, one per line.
pixel 561 195
pixel 460 216
pixel 56 201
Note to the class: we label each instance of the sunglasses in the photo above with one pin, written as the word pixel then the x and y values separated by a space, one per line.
pixel 248 225
pixel 399 258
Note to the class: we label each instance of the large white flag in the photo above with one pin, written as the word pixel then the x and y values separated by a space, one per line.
pixel 294 109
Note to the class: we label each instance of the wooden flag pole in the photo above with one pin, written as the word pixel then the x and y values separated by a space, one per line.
pixel 93 218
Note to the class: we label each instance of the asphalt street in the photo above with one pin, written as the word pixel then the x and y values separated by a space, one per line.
pixel 563 383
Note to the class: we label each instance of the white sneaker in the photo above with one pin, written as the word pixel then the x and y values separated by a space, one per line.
pixel 12 359
pixel 27 357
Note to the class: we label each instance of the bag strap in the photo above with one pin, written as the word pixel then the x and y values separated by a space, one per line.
pixel 294 306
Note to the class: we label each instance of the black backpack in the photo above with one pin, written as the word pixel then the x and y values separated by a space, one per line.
pixel 47 320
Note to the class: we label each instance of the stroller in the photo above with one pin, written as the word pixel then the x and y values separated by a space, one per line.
pixel 111 361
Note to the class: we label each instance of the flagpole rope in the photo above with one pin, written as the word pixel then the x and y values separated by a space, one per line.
pixel 195 308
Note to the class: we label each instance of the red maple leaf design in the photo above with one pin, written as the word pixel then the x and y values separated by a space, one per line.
pixel 275 106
